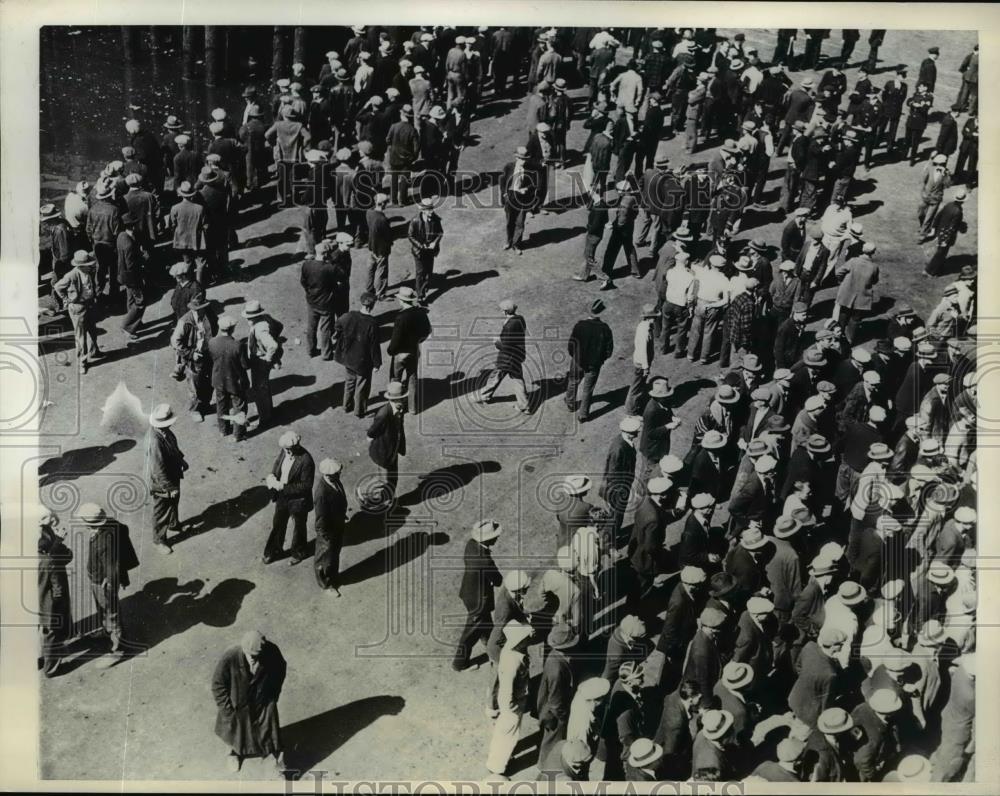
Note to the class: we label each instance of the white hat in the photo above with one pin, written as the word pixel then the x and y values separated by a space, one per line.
pixel 630 424
pixel 162 416
pixel 671 464
pixel 693 575
pixel 289 439
pixel 765 464
pixel 658 485
pixel 516 580
pixel 737 675
pixel 515 631
pixel 594 688
pixel 759 605
pixel 486 530
pixel 576 485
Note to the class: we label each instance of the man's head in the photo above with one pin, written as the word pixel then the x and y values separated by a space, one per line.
pixel 252 644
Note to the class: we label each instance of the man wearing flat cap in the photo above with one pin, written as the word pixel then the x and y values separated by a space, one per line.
pixel 519 187
pixel 246 685
pixel 556 686
pixel 291 483
pixel 229 379
pixel 330 517
pixel 510 358
pixel 591 344
pixel 856 294
pixel 619 473
pixel 103 226
pixel 424 233
pixel 947 226
pixel 703 660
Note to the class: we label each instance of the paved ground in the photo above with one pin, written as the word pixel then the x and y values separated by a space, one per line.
pixel 369 687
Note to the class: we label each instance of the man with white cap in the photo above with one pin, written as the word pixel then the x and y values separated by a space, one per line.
pixel 511 355
pixel 387 434
pixel 787 767
pixel 755 501
pixel 291 483
pixel 520 183
pixel 876 717
pixel 619 473
pixel 756 631
pixel 330 517
pixel 859 401
pixel 246 685
pixel 512 696
pixel 479 578
pixel 647 545
pixel 166 469
pixel 733 691
pixel 576 510
pixel 681 621
pixel 703 658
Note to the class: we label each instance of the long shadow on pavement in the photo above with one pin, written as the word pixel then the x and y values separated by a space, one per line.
pixel 310 741
pixel 82 461
pixel 401 552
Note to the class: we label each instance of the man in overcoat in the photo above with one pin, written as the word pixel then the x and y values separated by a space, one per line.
pixel 246 685
pixel 357 348
pixel 291 484
pixel 330 517
pixel 480 577
pixel 387 435
pixel 510 358
pixel 166 469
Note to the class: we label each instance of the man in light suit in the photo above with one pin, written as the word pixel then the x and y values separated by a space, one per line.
pixel 291 485
pixel 856 295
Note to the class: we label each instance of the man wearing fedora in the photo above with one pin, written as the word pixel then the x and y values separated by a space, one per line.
pixel 246 685
pixel 947 226
pixel 54 244
pixel 713 753
pixel 330 517
pixel 828 749
pixel 480 577
pixel 403 143
pixel 188 220
pixel 519 186
pixel 358 349
pixel 411 327
pixel 263 351
pixel 658 422
pixel 78 290
pixel 130 267
pixel 619 474
pixel 229 379
pixel 290 483
pixel 378 231
pixel 424 233
pixel 166 469
pixel 556 686
pixel 110 557
pixel 590 345
pixel 190 338
pixel 216 200
pixel 511 354
pixel 387 434
pixel 103 226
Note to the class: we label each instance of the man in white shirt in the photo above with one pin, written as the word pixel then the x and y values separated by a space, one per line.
pixel 710 304
pixel 677 294
pixel 642 360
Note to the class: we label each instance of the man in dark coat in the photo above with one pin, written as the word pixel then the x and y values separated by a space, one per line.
pixel 229 379
pixel 510 358
pixel 318 278
pixel 879 749
pixel 646 545
pixel 110 557
pixel 330 516
pixel 948 223
pixel 928 69
pixel 681 621
pixel 591 344
pixel 291 485
pixel 103 226
pixel 703 661
pixel 387 435
pixel 379 246
pixel 520 183
pixel 947 140
pixel 357 348
pixel 215 198
pixel 619 474
pixel 55 617
pixel 424 233
pixel 919 105
pixel 556 687
pixel 188 220
pixel 676 730
pixel 816 687
pixel 480 577
pixel 577 511
pixel 403 143
pixel 246 685
pixel 166 469
pixel 409 330
pixel 130 267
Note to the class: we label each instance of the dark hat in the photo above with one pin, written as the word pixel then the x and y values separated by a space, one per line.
pixel 597 306
pixel 721 584
pixel 934 51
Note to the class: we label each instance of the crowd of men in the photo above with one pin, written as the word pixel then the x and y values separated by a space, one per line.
pixel 824 631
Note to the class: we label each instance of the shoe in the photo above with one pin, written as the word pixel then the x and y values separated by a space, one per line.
pixel 608 285
pixel 327 357
pixel 313 352
pixel 507 246
pixel 197 417
pixel 348 409
pixel 163 549
pixel 177 376
pixel 267 559
pixel 332 591
pixel 578 278
pixel 83 367
pixel 295 560
pixel 233 762
pixel 491 713
pixel 131 339
pixel 642 243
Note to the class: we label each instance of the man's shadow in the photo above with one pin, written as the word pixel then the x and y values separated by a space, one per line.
pixel 311 741
pixel 230 513
pixel 83 461
pixel 445 480
pixel 401 552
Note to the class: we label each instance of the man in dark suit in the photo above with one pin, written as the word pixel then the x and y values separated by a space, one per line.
pixel 576 514
pixel 291 485
pixel 856 294
pixel 424 233
pixel 879 750
pixel 676 729
pixel 928 69
pixel 166 469
pixel 590 345
pixel 246 686
pixel 129 271
pixel 556 687
pixel 703 660
pixel 646 545
pixel 357 348
pixel 330 516
pixel 319 280
pixel 387 435
pixel 658 422
pixel 696 546
pixel 916 122
pixel 816 687
pixel 893 98
pixel 520 184
pixel 229 379
pixel 480 577
pixel 409 331
pixel 706 466
pixel 619 474
pixel 753 500
pixel 947 140
pixel 511 355
pixel 948 223
pixel 215 198
pixel 681 621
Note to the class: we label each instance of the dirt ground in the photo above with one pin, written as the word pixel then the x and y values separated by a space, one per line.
pixel 370 690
